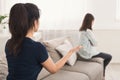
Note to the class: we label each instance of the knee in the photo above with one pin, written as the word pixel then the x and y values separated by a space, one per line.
pixel 109 57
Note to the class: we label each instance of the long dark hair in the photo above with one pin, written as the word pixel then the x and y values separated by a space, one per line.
pixel 21 20
pixel 87 22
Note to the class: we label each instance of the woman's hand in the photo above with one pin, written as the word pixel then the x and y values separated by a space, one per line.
pixel 75 49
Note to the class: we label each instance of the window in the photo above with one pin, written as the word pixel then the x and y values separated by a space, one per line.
pixel 118 10
pixel 55 13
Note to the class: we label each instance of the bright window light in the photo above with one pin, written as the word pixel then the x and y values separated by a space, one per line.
pixel 118 10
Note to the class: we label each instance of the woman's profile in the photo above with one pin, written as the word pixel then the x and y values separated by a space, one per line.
pixel 26 57
pixel 89 43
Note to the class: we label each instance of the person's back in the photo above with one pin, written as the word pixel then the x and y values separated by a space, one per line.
pixel 26 65
pixel 25 57
pixel 89 43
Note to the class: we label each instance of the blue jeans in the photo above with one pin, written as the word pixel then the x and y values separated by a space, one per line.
pixel 107 58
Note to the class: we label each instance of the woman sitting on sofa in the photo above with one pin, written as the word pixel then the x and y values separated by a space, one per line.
pixel 26 57
pixel 87 40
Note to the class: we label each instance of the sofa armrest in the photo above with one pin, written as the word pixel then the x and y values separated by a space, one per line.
pixel 99 60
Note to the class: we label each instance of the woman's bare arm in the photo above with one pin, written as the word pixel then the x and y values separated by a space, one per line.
pixel 54 67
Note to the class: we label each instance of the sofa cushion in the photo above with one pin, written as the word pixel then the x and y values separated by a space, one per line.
pixel 51 45
pixel 3 68
pixel 67 75
pixel 43 74
pixel 64 48
pixel 54 42
pixel 91 69
pixel 96 59
pixel 54 55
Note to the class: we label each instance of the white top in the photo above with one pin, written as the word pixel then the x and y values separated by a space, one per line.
pixel 87 40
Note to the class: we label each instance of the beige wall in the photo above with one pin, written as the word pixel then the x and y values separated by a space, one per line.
pixel 109 41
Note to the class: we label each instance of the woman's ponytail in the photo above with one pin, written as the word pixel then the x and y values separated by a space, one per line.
pixel 22 17
pixel 18 26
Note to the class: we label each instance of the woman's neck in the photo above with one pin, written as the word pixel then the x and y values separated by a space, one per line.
pixel 30 34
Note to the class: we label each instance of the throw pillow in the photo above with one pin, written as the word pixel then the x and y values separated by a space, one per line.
pixel 64 48
pixel 52 44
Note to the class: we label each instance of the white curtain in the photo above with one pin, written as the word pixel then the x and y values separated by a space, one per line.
pixel 55 14
pixel 118 9
pixel 2 7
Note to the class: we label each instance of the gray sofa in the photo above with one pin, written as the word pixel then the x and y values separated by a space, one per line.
pixel 82 69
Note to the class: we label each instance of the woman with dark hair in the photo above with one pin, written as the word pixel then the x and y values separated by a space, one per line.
pixel 26 57
pixel 88 41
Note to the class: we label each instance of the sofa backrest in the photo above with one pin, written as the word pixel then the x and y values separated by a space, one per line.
pixel 52 34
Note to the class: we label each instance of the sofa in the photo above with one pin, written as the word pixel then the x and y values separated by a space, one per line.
pixel 81 70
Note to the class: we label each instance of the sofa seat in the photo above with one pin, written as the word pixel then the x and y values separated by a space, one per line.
pixel 67 75
pixel 91 69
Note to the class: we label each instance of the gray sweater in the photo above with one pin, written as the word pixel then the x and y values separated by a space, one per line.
pixel 87 40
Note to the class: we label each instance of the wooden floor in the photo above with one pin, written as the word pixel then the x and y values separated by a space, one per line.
pixel 113 72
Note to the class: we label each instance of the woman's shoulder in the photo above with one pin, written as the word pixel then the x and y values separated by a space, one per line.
pixel 39 44
pixel 89 31
pixel 83 32
pixel 31 42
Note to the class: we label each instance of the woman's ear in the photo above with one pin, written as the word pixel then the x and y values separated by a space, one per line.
pixel 36 25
